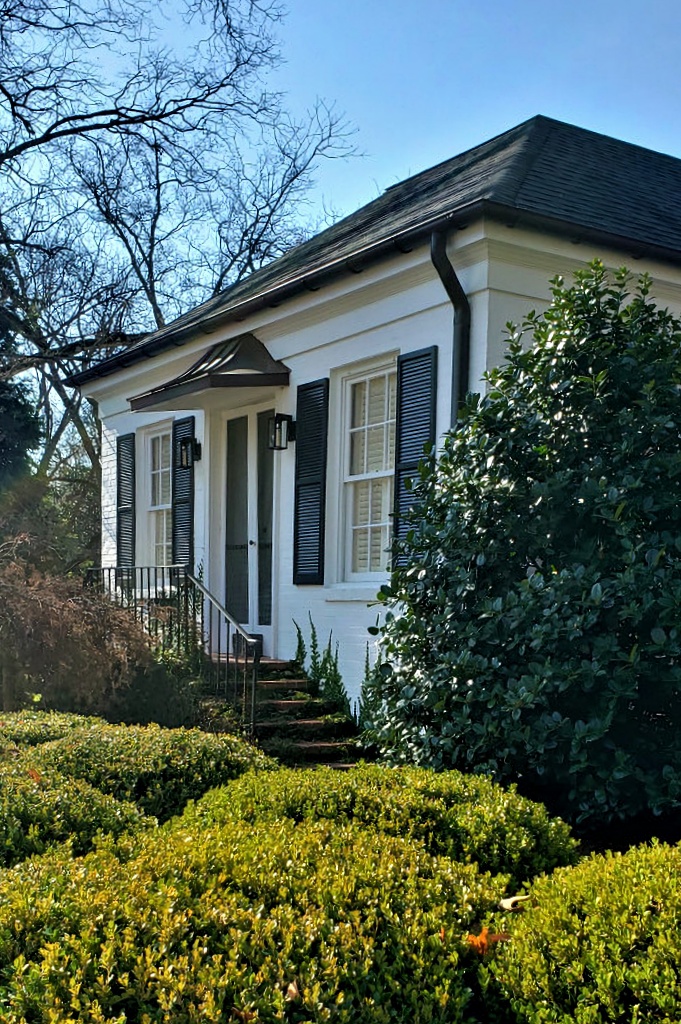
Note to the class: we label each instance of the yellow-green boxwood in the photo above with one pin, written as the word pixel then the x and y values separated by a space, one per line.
pixel 267 922
pixel 39 810
pixel 466 817
pixel 601 943
pixel 158 769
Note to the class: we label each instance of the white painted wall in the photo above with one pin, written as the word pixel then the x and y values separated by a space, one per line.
pixel 396 307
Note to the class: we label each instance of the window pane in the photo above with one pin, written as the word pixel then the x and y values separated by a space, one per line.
pixel 362 501
pixel 358 417
pixel 165 486
pixel 377 408
pixel 360 550
pixel 165 451
pixel 358 452
pixel 392 396
pixel 378 555
pixel 376 449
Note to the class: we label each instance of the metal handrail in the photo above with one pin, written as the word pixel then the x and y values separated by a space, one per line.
pixel 221 608
pixel 195 622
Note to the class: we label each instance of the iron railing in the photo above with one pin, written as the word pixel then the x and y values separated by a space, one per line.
pixel 185 620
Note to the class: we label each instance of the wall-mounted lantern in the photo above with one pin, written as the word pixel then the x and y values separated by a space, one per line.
pixel 282 430
pixel 190 452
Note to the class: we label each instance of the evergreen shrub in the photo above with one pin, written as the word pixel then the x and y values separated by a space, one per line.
pixel 599 944
pixel 532 621
pixel 466 817
pixel 28 727
pixel 269 922
pixel 37 811
pixel 157 769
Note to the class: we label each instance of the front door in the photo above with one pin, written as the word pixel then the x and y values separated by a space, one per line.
pixel 248 526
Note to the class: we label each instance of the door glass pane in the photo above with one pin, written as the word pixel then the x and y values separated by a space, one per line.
pixel 265 485
pixel 236 569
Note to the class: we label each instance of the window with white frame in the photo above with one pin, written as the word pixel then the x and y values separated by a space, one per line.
pixel 160 507
pixel 369 470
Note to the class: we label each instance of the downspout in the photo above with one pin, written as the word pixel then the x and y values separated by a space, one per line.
pixel 461 347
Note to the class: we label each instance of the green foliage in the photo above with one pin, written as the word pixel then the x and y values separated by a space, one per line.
pixel 466 817
pixel 600 943
pixel 534 631
pixel 278 921
pixel 37 811
pixel 157 769
pixel 300 656
pixel 369 706
pixel 29 728
pixel 20 430
pixel 323 671
pixel 314 670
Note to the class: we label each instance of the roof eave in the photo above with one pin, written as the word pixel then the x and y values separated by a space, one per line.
pixel 401 241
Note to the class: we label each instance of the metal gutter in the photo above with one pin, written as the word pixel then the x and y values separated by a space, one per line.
pixel 461 343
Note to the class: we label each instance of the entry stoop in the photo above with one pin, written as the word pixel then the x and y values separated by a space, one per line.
pixel 297 726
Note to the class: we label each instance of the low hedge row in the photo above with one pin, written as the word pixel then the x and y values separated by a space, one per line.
pixel 158 769
pixel 466 817
pixel 272 922
pixel 29 728
pixel 37 811
pixel 600 943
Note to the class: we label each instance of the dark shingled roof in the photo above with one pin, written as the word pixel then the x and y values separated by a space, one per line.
pixel 543 174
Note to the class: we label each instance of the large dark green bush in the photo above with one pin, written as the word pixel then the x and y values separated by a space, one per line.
pixel 600 943
pixel 158 769
pixel 37 811
pixel 533 631
pixel 465 817
pixel 272 922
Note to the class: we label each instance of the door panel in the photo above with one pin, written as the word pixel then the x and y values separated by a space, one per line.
pixel 236 526
pixel 248 523
pixel 265 471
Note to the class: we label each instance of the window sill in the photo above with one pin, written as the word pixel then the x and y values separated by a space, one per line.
pixel 366 593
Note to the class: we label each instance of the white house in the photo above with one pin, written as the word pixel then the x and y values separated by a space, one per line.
pixel 361 342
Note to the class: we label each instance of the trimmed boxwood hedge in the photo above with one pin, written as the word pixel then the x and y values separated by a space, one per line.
pixel 158 769
pixel 270 922
pixel 466 817
pixel 601 943
pixel 37 811
pixel 28 728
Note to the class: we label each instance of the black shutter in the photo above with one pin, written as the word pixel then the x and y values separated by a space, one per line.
pixel 312 420
pixel 415 427
pixel 182 497
pixel 125 500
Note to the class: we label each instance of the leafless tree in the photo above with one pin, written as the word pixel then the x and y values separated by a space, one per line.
pixel 144 166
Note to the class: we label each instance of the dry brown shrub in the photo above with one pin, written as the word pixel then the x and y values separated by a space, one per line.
pixel 70 644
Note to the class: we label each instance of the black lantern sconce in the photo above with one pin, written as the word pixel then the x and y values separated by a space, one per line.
pixel 189 453
pixel 281 431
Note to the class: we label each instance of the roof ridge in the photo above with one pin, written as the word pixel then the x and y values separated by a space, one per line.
pixel 513 177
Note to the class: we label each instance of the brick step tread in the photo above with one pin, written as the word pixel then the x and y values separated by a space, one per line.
pixel 300 683
pixel 294 707
pixel 315 751
pixel 291 728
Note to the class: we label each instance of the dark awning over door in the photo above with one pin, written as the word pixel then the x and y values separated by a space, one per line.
pixel 241 362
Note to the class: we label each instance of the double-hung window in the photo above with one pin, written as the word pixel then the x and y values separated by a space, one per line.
pixel 160 499
pixel 370 401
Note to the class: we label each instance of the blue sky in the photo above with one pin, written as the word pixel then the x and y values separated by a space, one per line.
pixel 424 80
